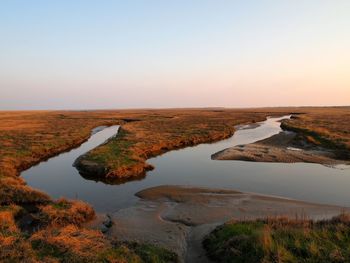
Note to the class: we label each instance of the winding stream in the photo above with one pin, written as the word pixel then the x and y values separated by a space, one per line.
pixel 193 166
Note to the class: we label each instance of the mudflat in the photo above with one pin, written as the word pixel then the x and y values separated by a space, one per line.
pixel 179 217
pixel 285 147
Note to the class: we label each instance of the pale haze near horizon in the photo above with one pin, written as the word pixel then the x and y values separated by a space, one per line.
pixel 137 54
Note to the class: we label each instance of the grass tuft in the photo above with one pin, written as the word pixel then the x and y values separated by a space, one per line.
pixel 281 240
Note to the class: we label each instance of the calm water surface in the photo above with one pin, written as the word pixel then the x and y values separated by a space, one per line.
pixel 193 166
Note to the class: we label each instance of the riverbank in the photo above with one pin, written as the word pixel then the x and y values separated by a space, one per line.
pixel 179 217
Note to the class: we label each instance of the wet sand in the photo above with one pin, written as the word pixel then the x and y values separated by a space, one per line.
pixel 284 147
pixel 178 217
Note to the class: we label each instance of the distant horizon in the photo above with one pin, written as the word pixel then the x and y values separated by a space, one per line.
pixel 87 54
pixel 175 108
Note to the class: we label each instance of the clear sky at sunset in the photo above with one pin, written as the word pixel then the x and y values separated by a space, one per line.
pixel 71 54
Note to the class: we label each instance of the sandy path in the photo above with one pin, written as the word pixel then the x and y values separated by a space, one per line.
pixel 178 217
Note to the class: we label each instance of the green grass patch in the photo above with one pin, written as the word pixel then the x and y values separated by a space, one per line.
pixel 281 240
pixel 116 152
pixel 121 254
pixel 43 249
pixel 61 205
pixel 138 253
pixel 153 254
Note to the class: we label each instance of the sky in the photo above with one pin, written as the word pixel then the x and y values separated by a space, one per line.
pixel 85 54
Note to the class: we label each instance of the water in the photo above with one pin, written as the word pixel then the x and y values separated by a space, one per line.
pixel 193 166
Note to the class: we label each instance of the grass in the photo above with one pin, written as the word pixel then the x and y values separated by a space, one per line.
pixel 14 191
pixel 281 240
pixel 135 252
pixel 72 244
pixel 150 253
pixel 325 127
pixel 64 212
pixel 117 152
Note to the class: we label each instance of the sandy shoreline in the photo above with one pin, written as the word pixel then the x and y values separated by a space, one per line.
pixel 178 217
pixel 284 147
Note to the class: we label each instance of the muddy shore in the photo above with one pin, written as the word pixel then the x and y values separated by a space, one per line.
pixel 179 217
pixel 285 147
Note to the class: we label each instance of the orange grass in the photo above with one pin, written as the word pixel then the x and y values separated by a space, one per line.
pixel 64 212
pixel 69 243
pixel 328 127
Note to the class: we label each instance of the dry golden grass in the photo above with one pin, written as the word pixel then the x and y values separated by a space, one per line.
pixel 7 220
pixel 29 137
pixel 64 212
pixel 327 127
pixel 70 243
pixel 14 190
pixel 13 247
pixel 73 244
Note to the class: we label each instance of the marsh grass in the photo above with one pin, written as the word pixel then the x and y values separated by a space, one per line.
pixel 64 212
pixel 115 153
pixel 73 244
pixel 281 240
pixel 325 127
